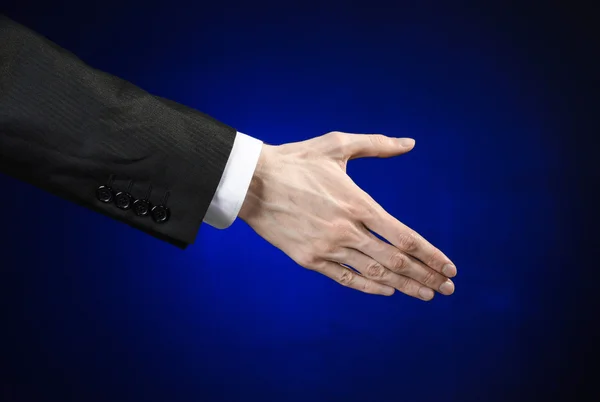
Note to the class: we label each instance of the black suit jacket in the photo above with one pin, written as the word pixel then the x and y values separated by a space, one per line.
pixel 69 128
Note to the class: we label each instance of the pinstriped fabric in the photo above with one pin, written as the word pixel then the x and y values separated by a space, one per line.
pixel 67 127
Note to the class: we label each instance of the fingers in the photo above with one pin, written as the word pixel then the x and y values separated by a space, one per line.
pixel 373 145
pixel 409 242
pixel 402 264
pixel 346 277
pixel 372 270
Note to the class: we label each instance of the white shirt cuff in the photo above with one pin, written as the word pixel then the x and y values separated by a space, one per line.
pixel 234 184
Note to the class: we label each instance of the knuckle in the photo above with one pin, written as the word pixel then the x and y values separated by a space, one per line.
pixel 429 278
pixel 347 277
pixel 345 232
pixel 335 136
pixel 327 248
pixel 307 261
pixel 379 140
pixel 366 241
pixel 375 270
pixel 404 285
pixel 372 209
pixel 408 242
pixel 434 255
pixel 399 262
pixel 333 142
pixel 367 213
pixel 363 210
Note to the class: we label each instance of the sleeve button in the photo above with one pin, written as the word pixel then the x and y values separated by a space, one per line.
pixel 123 200
pixel 160 214
pixel 141 207
pixel 104 194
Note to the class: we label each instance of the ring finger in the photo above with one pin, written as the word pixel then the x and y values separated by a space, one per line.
pixel 373 270
pixel 403 264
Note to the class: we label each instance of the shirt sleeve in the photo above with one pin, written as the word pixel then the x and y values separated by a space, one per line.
pixel 235 181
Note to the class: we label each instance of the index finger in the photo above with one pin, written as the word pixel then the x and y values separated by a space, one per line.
pixel 409 241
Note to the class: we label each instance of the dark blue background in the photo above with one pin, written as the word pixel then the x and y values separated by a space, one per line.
pixel 93 310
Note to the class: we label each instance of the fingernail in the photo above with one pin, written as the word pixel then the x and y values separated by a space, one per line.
pixel 406 142
pixel 449 270
pixel 426 293
pixel 447 288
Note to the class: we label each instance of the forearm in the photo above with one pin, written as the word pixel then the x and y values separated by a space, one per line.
pixel 67 127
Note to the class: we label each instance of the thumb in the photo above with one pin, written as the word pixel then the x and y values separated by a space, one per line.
pixel 376 145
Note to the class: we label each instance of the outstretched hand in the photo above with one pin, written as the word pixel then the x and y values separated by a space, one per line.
pixel 302 201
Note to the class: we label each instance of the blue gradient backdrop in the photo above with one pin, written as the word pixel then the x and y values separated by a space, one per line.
pixel 97 311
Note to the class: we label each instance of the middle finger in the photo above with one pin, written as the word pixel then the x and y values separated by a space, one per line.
pixel 403 264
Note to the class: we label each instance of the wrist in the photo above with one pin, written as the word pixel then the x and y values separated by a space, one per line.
pixel 255 189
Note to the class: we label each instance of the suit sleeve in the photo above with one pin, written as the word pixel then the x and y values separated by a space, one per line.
pixel 103 143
